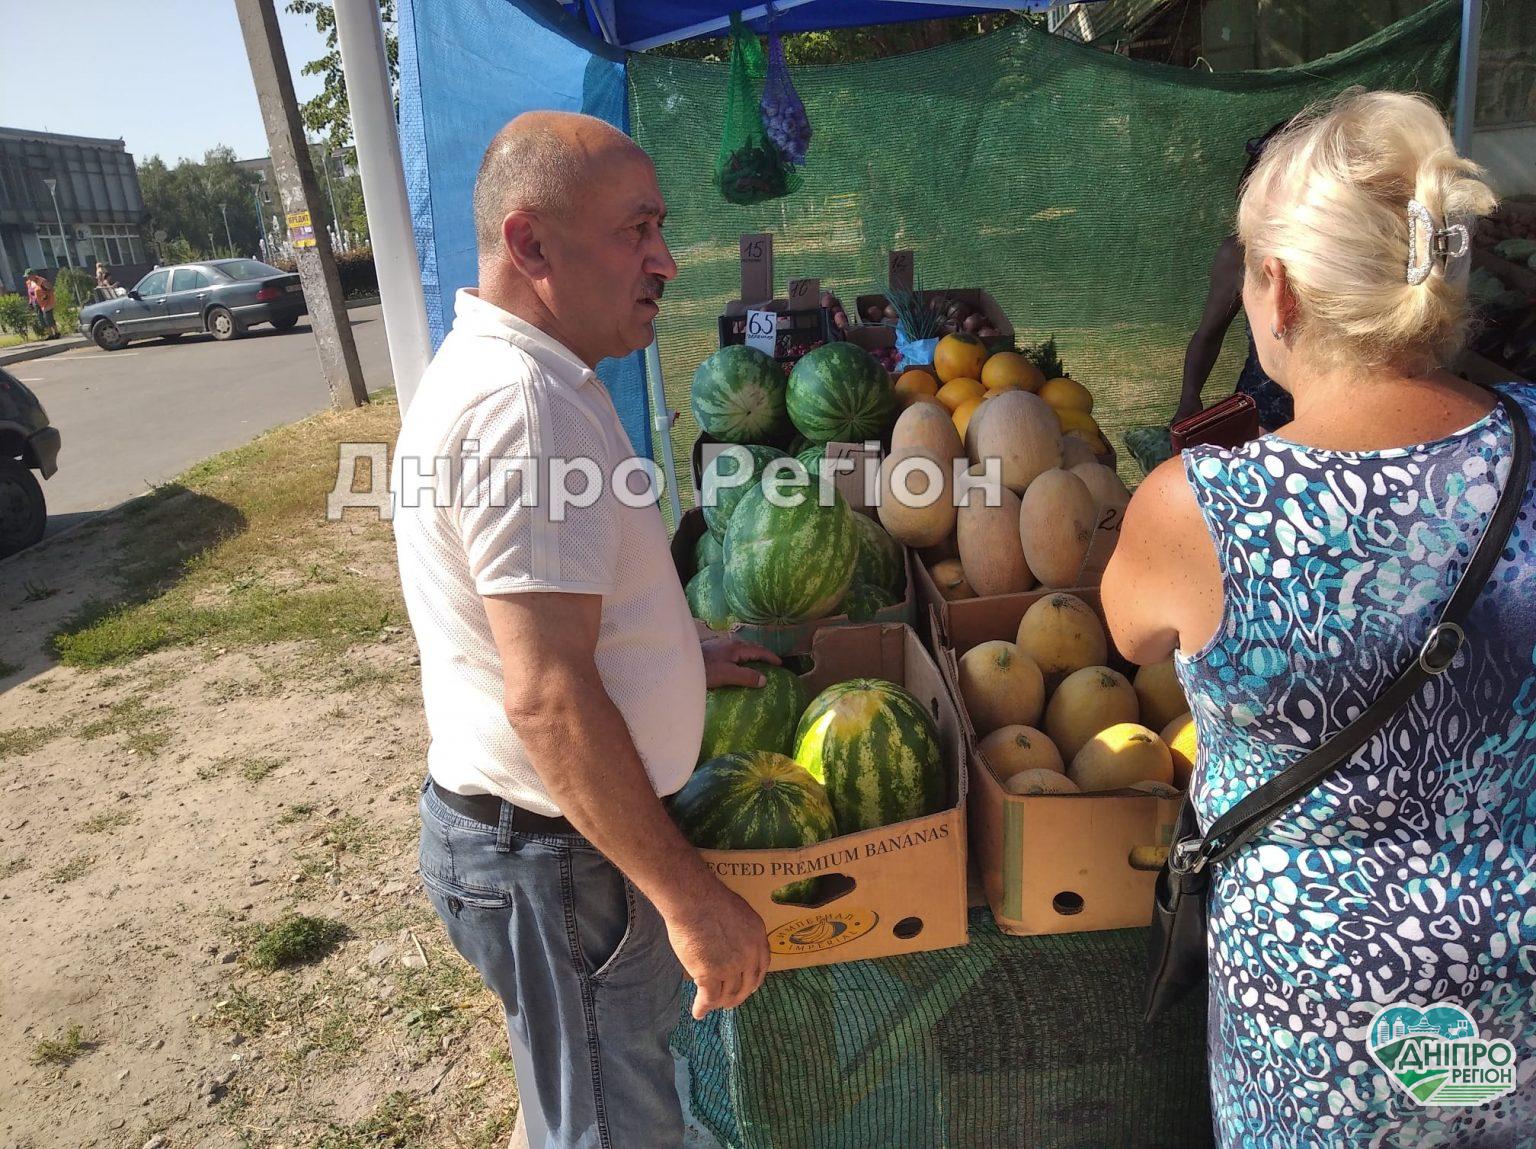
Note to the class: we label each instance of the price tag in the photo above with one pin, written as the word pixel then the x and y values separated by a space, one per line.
pixel 757 267
pixel 763 331
pixel 899 270
pixel 804 294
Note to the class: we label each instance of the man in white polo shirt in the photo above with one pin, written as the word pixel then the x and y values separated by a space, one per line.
pixel 562 675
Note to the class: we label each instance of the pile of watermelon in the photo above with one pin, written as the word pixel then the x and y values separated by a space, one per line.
pixel 769 564
pixel 778 772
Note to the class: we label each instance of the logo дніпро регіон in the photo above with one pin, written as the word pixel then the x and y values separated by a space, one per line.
pixel 1436 1056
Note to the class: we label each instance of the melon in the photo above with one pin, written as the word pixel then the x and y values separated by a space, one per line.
pixel 1109 493
pixel 1119 756
pixel 927 427
pixel 787 564
pixel 864 601
pixel 1184 746
pixel 707 550
pixel 1159 694
pixel 915 384
pixel 1057 518
pixel 958 392
pixel 1074 453
pixel 1011 750
pixel 1072 422
pixel 959 356
pixel 880 562
pixel 964 414
pixel 1062 634
pixel 839 393
pixel 1010 371
pixel 876 749
pixel 1088 701
pixel 949 576
pixel 1067 394
pixel 910 509
pixel 990 550
pixel 739 396
pixel 1027 783
pixel 706 598
pixel 753 717
pixel 719 489
pixel 1019 431
pixel 1001 686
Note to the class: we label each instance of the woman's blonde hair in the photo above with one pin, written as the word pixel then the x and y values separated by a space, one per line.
pixel 1329 199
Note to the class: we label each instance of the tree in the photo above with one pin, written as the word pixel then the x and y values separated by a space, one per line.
pixel 183 201
pixel 328 114
pixel 865 42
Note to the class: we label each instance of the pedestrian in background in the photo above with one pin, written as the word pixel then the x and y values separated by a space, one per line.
pixel 40 297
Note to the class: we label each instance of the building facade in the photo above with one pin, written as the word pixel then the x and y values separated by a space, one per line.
pixel 67 201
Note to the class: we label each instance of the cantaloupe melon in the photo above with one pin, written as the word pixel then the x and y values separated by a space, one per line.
pixel 927 427
pixel 1001 686
pixel 1062 634
pixel 1029 782
pixel 1075 451
pixel 990 550
pixel 1159 694
pixel 949 576
pixel 1184 746
pixel 911 510
pixel 1120 756
pixel 1088 701
pixel 1018 430
pixel 1057 517
pixel 1109 493
pixel 1010 371
pixel 1011 750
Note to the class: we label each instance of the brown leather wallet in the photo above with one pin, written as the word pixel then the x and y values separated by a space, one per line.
pixel 1230 423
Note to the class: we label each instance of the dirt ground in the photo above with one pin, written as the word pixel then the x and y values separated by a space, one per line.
pixel 162 812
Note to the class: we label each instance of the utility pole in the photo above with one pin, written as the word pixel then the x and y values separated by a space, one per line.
pixel 298 191
pixel 229 239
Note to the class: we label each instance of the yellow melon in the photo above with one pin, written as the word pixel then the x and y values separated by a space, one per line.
pixel 915 384
pixel 1020 432
pixel 1031 782
pixel 949 576
pixel 1088 701
pixel 1008 370
pixel 1120 756
pixel 958 391
pixel 1062 634
pixel 1011 750
pixel 990 551
pixel 1084 426
pixel 927 427
pixel 1067 393
pixel 963 413
pixel 1057 517
pixel 1001 686
pixel 959 356
pixel 911 509
pixel 1109 492
pixel 1159 694
pixel 1184 746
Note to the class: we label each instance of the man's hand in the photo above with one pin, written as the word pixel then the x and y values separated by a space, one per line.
pixel 723 658
pixel 723 947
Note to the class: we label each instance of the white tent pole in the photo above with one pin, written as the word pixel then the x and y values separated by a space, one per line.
pixel 661 425
pixel 360 35
pixel 1466 83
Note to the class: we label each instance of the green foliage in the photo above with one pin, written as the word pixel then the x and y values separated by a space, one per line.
pixel 329 113
pixel 359 277
pixel 851 45
pixel 296 940
pixel 72 287
pixel 61 1050
pixel 15 315
pixel 183 201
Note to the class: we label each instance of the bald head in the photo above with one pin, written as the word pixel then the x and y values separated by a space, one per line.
pixel 538 161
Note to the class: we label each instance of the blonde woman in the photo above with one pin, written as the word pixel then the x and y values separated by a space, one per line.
pixel 1293 578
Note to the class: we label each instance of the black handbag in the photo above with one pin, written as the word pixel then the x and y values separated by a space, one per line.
pixel 1177 953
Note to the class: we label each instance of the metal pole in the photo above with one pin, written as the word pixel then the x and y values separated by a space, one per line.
pixel 63 238
pixel 661 424
pixel 261 222
pixel 360 35
pixel 1466 83
pixel 330 192
pixel 229 239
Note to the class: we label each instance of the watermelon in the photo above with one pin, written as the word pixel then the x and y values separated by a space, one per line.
pixel 755 800
pixel 880 559
pixel 838 393
pixel 864 600
pixel 724 496
pixel 706 597
pixel 876 749
pixel 738 718
pixel 739 396
pixel 707 550
pixel 787 564
pixel 798 443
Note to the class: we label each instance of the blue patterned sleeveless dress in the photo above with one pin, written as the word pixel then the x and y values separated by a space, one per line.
pixel 1407 877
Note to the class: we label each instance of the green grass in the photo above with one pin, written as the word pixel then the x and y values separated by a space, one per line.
pixel 76 867
pixel 295 813
pixel 62 1050
pixel 14 866
pixel 253 770
pixel 106 820
pixel 296 939
pixel 37 592
pixel 395 1124
pixel 140 726
pixel 23 740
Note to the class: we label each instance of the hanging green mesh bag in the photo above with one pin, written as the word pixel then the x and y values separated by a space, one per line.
pixel 749 168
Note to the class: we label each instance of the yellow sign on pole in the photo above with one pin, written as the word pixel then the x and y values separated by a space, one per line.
pixel 301 232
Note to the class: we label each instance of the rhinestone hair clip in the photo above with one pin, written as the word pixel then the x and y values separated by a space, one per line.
pixel 1427 243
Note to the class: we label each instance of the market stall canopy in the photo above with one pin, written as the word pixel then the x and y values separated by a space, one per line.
pixel 637 25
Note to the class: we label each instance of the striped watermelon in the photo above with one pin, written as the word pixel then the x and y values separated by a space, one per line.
pixel 786 564
pixel 719 499
pixel 738 396
pixel 755 800
pixel 880 559
pixel 876 749
pixel 839 393
pixel 739 718
pixel 864 600
pixel 706 597
pixel 707 550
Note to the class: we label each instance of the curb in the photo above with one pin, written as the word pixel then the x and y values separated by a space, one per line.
pixel 369 301
pixel 55 347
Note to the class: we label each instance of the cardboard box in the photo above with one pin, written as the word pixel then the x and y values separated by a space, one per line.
pixel 895 890
pixel 1052 863
pixel 967 617
pixel 800 318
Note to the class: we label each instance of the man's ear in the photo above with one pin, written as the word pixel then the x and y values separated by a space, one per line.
pixel 525 246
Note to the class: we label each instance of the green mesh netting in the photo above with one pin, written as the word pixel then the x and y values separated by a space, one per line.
pixel 1087 192
pixel 1002 1044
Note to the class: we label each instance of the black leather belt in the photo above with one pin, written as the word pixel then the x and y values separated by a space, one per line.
pixel 486 809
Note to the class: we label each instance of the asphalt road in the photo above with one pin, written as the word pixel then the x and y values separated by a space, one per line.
pixel 132 419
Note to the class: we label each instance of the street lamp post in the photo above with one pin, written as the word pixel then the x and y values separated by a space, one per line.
pixel 261 222
pixel 229 239
pixel 64 239
pixel 330 191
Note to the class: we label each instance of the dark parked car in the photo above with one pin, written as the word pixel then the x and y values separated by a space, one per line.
pixel 220 296
pixel 27 444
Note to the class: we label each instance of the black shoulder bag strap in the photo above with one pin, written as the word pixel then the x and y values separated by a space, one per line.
pixel 1178 940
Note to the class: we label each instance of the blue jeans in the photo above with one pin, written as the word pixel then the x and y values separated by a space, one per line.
pixel 582 965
